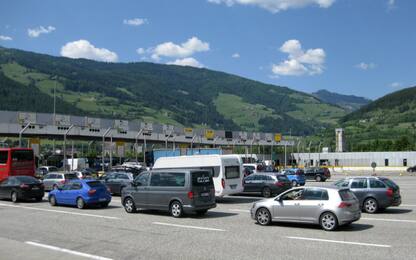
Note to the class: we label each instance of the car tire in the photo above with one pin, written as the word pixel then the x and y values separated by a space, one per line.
pixel 266 192
pixel 14 197
pixel 201 212
pixel 318 178
pixel 176 209
pixel 294 183
pixel 263 216
pixel 52 201
pixel 370 205
pixel 328 221
pixel 80 203
pixel 129 205
pixel 39 199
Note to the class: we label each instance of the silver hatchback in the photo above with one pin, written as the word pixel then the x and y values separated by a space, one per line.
pixel 328 207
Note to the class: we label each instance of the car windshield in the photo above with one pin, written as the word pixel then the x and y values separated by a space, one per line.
pixel 70 176
pixel 27 179
pixel 95 184
pixel 346 195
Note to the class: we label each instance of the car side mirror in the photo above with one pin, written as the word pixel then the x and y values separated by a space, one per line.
pixel 279 199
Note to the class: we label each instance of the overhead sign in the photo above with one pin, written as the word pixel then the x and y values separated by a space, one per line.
pixel 62 120
pixel 209 134
pixel 189 132
pixel 278 137
pixel 25 118
pixel 35 145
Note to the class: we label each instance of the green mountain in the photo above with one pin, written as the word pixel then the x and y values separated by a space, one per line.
pixel 163 93
pixel 385 124
pixel 348 102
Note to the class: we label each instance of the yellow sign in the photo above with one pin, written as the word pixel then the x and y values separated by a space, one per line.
pixel 120 143
pixel 278 137
pixel 209 134
pixel 183 146
pixel 34 141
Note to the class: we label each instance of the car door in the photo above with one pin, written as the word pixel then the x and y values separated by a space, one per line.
pixel 249 182
pixel 109 181
pixel 122 180
pixel 359 186
pixel 313 201
pixel 286 206
pixel 140 189
pixel 61 194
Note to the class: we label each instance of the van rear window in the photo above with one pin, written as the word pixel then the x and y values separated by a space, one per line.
pixel 201 179
pixel 232 172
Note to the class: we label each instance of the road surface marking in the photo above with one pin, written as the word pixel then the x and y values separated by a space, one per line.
pixel 390 220
pixel 338 242
pixel 63 250
pixel 185 226
pixel 240 210
pixel 59 211
pixel 407 205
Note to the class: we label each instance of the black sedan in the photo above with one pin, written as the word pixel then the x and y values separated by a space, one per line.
pixel 116 181
pixel 21 188
pixel 411 169
pixel 266 183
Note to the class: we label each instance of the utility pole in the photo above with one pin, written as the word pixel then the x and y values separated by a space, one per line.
pixel 54 102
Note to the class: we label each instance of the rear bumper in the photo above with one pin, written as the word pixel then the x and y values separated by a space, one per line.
pixel 31 194
pixel 97 200
pixel 192 208
pixel 345 217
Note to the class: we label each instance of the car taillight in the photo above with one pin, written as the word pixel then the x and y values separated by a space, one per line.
pixel 390 192
pixel 24 186
pixel 223 183
pixel 344 205
pixel 92 192
pixel 279 184
pixel 190 195
pixel 63 181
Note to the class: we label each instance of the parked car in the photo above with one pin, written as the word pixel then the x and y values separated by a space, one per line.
pixel 374 193
pixel 295 175
pixel 43 170
pixel 267 183
pixel 21 188
pixel 53 179
pixel 83 175
pixel 251 166
pixel 317 173
pixel 178 191
pixel 134 170
pixel 328 207
pixel 411 169
pixel 247 171
pixel 117 181
pixel 80 193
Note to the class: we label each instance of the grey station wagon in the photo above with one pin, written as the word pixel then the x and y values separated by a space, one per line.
pixel 176 191
pixel 374 193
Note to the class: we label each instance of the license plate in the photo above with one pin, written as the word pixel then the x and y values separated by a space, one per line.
pixel 102 199
pixel 233 186
pixel 204 194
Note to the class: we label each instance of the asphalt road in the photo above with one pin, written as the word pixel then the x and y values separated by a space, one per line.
pixel 38 231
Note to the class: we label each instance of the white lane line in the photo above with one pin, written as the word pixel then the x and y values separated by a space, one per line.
pixel 407 205
pixel 63 250
pixel 240 210
pixel 59 211
pixel 338 242
pixel 390 220
pixel 185 226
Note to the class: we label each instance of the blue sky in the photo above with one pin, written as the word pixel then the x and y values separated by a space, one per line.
pixel 360 47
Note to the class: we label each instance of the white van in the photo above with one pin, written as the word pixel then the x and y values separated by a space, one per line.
pixel 227 169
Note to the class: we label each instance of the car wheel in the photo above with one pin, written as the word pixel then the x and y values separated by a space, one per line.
pixel 176 209
pixel 201 212
pixel 266 192
pixel 318 178
pixel 370 205
pixel 263 216
pixel 80 203
pixel 39 199
pixel 328 221
pixel 13 196
pixel 129 205
pixel 294 183
pixel 52 201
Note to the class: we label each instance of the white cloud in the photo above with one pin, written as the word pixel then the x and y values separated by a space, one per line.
pixel 84 49
pixel 396 85
pixel 187 62
pixel 36 32
pixel 186 49
pixel 275 6
pixel 141 51
pixel 365 66
pixel 236 55
pixel 5 38
pixel 299 62
pixel 135 21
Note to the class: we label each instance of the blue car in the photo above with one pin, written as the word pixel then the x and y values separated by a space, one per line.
pixel 295 175
pixel 80 193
